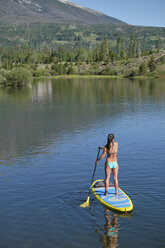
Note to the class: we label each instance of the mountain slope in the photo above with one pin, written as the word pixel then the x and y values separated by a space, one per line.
pixel 54 11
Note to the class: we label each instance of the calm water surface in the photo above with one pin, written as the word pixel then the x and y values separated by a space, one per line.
pixel 49 134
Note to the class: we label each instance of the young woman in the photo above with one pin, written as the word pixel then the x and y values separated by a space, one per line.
pixel 110 149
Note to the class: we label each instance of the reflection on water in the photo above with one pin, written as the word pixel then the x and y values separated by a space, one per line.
pixel 42 90
pixel 98 90
pixel 50 108
pixel 110 237
pixel 82 90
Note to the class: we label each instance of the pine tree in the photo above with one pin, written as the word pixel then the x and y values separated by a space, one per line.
pixel 122 54
pixel 139 50
pixel 134 46
pixel 152 64
pixel 96 54
pixel 104 50
pixel 118 45
pixel 142 69
pixel 159 44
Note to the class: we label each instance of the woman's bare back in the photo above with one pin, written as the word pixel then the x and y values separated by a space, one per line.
pixel 112 153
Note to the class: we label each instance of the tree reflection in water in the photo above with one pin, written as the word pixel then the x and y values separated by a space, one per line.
pixel 110 236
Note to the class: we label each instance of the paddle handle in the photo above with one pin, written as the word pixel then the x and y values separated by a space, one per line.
pixel 101 147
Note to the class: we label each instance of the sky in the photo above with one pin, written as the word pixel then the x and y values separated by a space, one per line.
pixel 135 12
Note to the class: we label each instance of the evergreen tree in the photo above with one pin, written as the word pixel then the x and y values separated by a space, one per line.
pixel 118 46
pixel 104 50
pixel 70 70
pixel 139 50
pixel 152 64
pixel 142 69
pixel 159 44
pixel 122 54
pixel 96 54
pixel 134 46
pixel 129 52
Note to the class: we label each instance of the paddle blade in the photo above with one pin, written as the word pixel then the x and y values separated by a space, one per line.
pixel 85 204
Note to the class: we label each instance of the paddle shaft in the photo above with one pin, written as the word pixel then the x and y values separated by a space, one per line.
pixel 94 168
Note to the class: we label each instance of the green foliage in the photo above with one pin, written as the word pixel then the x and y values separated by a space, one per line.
pixel 70 70
pixel 152 64
pixel 119 40
pixel 79 55
pixel 2 80
pixel 3 73
pixel 107 71
pixel 133 73
pixel 154 74
pixel 122 54
pixel 58 69
pixel 46 74
pixel 133 46
pixel 37 73
pixel 142 69
pixel 159 45
pixel 39 35
pixel 19 77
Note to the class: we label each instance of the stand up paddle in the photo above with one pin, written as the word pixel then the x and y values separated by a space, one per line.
pixel 86 204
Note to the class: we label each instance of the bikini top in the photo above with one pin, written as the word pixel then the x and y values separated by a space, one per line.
pixel 109 154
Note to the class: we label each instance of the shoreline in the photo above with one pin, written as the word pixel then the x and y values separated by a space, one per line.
pixel 75 76
pixel 100 76
pixel 22 76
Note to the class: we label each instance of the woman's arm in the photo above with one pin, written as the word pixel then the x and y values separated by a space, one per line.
pixel 103 155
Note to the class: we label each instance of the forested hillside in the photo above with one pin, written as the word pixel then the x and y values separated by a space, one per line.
pixel 54 23
pixel 39 35
pixel 50 38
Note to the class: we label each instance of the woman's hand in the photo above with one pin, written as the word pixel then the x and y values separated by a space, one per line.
pixel 97 162
pixel 101 147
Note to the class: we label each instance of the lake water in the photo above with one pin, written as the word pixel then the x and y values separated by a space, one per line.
pixel 49 135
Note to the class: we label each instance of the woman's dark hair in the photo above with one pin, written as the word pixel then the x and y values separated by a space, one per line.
pixel 110 139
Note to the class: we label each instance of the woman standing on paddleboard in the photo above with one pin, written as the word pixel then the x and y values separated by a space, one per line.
pixel 110 149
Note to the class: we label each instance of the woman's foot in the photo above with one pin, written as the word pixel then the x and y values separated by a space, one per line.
pixel 106 192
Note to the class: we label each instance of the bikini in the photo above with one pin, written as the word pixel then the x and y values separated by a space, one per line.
pixel 113 164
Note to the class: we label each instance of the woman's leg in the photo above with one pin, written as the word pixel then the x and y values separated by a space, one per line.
pixel 117 169
pixel 107 177
pixel 115 172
